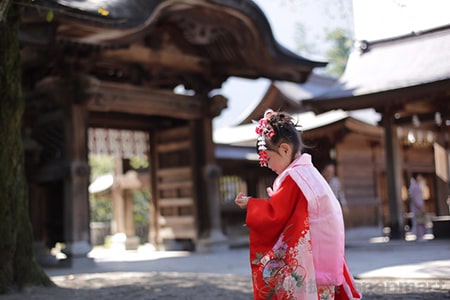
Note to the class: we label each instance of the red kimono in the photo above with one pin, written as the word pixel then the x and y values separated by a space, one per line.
pixel 281 248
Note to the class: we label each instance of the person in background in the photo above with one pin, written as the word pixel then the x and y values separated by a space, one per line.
pixel 417 205
pixel 329 173
pixel 297 235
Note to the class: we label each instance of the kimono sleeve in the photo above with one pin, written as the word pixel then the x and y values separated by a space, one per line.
pixel 267 218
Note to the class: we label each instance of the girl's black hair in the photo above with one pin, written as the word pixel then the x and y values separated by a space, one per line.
pixel 286 131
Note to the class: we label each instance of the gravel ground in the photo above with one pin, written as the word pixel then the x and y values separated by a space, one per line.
pixel 148 275
pixel 164 285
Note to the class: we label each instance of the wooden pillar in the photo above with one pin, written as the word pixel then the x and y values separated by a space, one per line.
pixel 393 175
pixel 117 222
pixel 211 174
pixel 130 183
pixel 76 197
pixel 441 155
pixel 70 93
pixel 122 224
pixel 130 229
pixel 39 217
pixel 154 234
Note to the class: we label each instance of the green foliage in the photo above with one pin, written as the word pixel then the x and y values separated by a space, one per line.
pixel 302 45
pixel 100 165
pixel 339 52
pixel 101 207
pixel 139 162
pixel 50 16
pixel 101 203
pixel 141 206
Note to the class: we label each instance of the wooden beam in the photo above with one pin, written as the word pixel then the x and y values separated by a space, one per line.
pixel 171 59
pixel 115 97
pixel 115 120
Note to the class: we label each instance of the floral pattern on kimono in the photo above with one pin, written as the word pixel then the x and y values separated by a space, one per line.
pixel 280 247
pixel 285 270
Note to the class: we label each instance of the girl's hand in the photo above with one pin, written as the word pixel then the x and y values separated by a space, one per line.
pixel 241 200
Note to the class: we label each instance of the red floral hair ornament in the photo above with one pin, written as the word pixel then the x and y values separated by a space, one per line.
pixel 264 130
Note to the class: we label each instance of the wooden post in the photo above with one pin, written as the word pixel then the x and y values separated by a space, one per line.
pixel 153 235
pixel 76 197
pixel 211 174
pixel 130 229
pixel 117 223
pixel 441 155
pixel 393 175
pixel 122 225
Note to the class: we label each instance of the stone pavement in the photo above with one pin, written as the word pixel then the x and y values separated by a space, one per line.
pixel 383 269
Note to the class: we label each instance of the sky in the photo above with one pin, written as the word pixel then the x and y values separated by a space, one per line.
pixel 378 19
pixel 365 19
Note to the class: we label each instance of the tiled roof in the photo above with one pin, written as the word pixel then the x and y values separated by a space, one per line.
pixel 403 69
pixel 220 38
pixel 244 135
pixel 395 63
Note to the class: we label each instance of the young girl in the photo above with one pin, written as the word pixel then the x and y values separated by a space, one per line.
pixel 297 236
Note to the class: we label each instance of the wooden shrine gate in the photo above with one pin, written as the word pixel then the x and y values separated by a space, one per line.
pixel 120 70
pixel 180 146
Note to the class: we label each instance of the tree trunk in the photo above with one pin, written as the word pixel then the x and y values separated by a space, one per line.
pixel 18 267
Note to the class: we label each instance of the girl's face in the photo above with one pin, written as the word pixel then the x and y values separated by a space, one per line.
pixel 279 160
